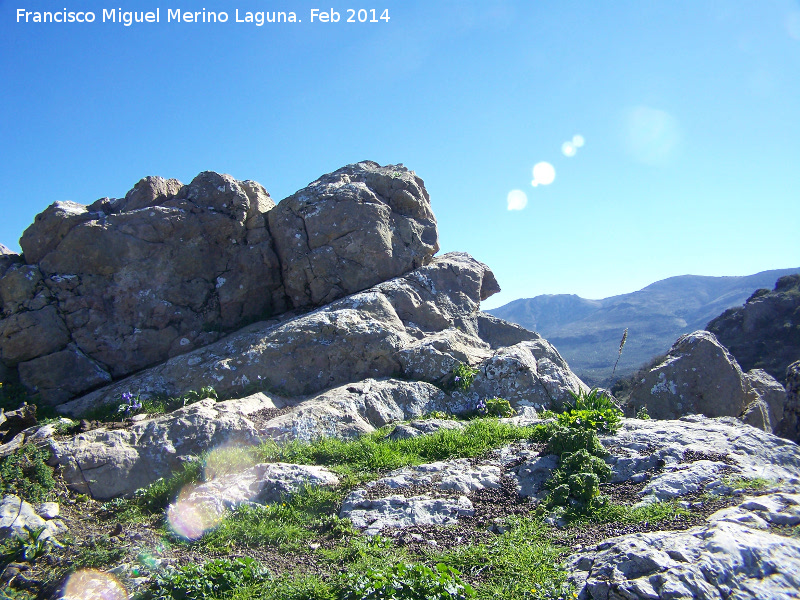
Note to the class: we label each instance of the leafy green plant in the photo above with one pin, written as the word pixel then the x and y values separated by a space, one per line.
pixel 32 545
pixel 438 414
pixel 643 414
pixel 593 410
pixel 495 407
pixel 409 582
pixel 25 473
pixel 463 376
pixel 208 580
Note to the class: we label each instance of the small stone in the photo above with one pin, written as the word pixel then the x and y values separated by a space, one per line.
pixel 48 510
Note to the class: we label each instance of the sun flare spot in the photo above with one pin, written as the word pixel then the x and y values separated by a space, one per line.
pixel 543 174
pixel 517 200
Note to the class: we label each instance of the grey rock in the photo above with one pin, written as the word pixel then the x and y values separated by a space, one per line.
pixel 355 409
pixel 16 516
pixel 733 556
pixel 396 511
pixel 110 463
pixel 59 376
pixel 532 474
pixel 423 427
pixel 48 510
pixel 789 426
pixel 699 376
pixel 352 229
pixel 696 453
pixel 201 506
pixel 371 334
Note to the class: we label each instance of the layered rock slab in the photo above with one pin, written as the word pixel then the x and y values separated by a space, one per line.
pixel 122 284
pixel 420 326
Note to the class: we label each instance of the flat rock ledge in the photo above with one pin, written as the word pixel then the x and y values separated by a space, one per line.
pixel 734 556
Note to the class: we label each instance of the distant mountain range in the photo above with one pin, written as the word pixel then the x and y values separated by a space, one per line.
pixel 587 332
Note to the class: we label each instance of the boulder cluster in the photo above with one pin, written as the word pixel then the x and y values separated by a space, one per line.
pixel 329 315
pixel 105 290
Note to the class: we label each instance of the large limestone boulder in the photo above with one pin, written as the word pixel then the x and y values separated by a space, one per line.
pixel 351 229
pixel 419 326
pixel 123 284
pixel 789 426
pixel 700 376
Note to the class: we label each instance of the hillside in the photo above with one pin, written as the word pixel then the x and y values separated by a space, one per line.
pixel 587 332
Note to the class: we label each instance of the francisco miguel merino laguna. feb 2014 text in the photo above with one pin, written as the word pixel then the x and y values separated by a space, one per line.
pixel 176 15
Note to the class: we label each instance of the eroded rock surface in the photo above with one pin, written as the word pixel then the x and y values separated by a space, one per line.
pixel 420 326
pixel 699 376
pixel 733 556
pixel 122 284
pixel 789 427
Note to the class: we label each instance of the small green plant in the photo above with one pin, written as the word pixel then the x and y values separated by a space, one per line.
pixel 463 376
pixel 130 404
pixel 592 410
pixel 747 483
pixel 32 545
pixel 409 582
pixel 208 580
pixel 25 473
pixel 643 414
pixel 495 407
pixel 438 414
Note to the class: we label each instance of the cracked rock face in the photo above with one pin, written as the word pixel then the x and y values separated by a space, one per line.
pixel 351 229
pixel 733 556
pixel 417 326
pixel 108 289
pixel 700 376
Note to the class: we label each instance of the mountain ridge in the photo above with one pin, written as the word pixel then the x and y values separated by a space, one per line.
pixel 587 332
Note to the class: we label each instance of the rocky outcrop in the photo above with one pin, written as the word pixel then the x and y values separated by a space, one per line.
pixel 122 284
pixel 17 517
pixel 419 326
pixel 730 557
pixel 699 376
pixel 789 427
pixel 765 332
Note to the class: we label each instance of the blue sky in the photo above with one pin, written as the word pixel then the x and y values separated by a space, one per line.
pixel 689 113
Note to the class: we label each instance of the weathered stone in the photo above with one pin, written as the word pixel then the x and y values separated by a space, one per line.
pixel 351 229
pixel 423 427
pixel 17 516
pixel 59 376
pixel 765 332
pixel 30 334
pixel 355 409
pixel 110 463
pixel 699 376
pixel 49 228
pixel 730 557
pixel 532 474
pixel 372 334
pixel 396 511
pixel 697 453
pixel 149 191
pixel 199 507
pixel 15 421
pixel 789 426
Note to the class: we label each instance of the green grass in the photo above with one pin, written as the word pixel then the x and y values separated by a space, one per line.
pixel 365 458
pixel 747 483
pixel 523 562
pixel 622 514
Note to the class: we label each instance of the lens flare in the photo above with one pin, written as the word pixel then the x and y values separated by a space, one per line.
pixel 568 149
pixel 578 141
pixel 91 584
pixel 192 516
pixel 543 174
pixel 517 200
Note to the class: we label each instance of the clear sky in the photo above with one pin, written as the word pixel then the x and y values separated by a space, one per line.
pixel 681 118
